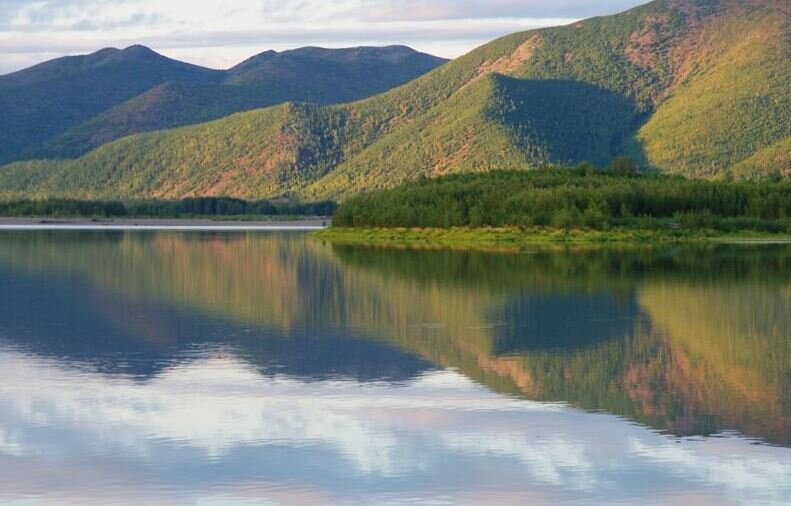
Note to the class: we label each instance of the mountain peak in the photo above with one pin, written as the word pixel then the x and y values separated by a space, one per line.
pixel 138 49
pixel 390 54
pixel 395 55
pixel 105 51
pixel 134 52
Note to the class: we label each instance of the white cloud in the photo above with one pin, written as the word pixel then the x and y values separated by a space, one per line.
pixel 220 33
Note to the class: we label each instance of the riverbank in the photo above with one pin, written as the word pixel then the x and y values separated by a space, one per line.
pixel 514 238
pixel 143 223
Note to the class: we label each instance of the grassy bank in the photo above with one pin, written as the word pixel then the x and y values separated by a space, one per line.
pixel 583 205
pixel 515 238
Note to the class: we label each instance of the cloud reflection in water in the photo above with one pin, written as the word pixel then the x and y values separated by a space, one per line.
pixel 216 428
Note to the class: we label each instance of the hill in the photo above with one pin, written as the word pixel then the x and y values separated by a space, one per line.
pixel 693 87
pixel 316 75
pixel 43 101
pixel 66 107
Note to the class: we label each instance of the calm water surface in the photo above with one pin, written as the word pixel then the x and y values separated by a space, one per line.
pixel 271 368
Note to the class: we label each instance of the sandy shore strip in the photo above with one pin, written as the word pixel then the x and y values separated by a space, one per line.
pixel 158 224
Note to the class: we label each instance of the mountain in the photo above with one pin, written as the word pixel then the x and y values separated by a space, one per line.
pixel 66 107
pixel 321 76
pixel 42 102
pixel 693 87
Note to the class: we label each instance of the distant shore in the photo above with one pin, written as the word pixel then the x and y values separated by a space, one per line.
pixel 197 223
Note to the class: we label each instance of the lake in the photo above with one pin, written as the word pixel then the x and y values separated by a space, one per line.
pixel 144 367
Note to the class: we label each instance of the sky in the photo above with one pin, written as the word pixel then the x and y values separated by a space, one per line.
pixel 221 33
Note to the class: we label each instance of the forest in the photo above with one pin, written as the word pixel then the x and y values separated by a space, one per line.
pixel 583 197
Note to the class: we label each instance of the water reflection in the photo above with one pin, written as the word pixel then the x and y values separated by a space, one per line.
pixel 692 341
pixel 223 368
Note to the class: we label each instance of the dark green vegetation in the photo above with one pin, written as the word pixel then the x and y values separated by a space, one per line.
pixel 66 107
pixel 201 206
pixel 584 197
pixel 693 87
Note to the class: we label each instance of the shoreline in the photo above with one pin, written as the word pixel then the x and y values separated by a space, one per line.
pixel 515 239
pixel 159 224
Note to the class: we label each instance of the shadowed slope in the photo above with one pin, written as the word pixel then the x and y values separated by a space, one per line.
pixel 42 102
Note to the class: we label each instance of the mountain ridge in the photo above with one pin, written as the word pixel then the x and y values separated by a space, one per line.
pixel 66 91
pixel 181 94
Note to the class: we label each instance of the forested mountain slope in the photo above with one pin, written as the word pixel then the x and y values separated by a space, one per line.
pixel 66 107
pixel 316 75
pixel 695 87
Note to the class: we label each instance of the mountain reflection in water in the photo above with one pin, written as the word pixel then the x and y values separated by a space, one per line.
pixel 232 367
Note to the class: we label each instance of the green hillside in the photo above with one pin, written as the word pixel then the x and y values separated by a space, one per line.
pixel 496 122
pixel 694 87
pixel 738 104
pixel 766 162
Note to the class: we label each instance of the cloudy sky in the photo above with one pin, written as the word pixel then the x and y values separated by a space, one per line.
pixel 220 33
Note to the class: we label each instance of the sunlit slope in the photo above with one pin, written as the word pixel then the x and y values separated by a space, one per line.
pixel 337 134
pixel 710 82
pixel 169 105
pixel 324 139
pixel 685 86
pixel 766 162
pixel 735 105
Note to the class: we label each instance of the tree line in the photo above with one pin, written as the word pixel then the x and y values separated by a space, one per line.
pixel 580 197
pixel 199 206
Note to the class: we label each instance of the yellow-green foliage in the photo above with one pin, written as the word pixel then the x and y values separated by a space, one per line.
pixel 766 162
pixel 737 103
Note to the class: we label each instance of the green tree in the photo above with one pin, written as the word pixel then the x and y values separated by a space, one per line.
pixel 623 166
